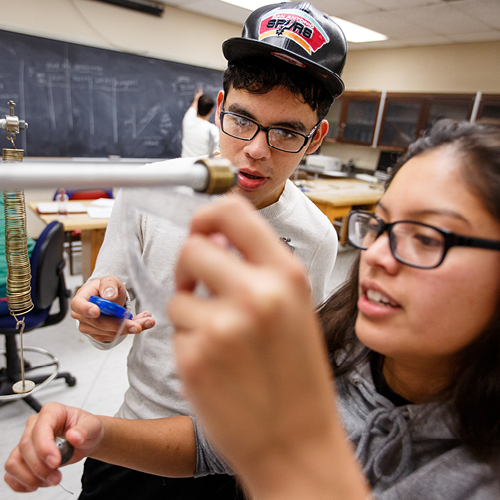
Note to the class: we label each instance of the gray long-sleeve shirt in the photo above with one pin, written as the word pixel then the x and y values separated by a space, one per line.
pixel 407 452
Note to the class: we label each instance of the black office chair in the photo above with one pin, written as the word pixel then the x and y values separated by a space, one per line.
pixel 47 285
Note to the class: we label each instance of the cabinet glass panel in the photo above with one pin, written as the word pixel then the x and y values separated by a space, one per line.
pixel 333 118
pixel 360 123
pixel 455 111
pixel 490 113
pixel 400 124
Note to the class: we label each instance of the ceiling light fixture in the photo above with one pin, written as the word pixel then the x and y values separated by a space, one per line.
pixel 357 34
pixel 353 32
pixel 251 4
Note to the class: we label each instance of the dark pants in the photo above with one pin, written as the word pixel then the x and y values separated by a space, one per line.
pixel 110 482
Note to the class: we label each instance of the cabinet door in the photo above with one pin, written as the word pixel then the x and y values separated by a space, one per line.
pixel 352 118
pixel 456 110
pixel 458 107
pixel 333 118
pixel 489 109
pixel 400 122
pixel 359 125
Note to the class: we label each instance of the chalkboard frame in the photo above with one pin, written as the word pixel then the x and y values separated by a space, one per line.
pixel 84 101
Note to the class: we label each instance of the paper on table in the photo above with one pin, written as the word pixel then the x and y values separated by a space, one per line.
pixel 53 207
pixel 103 202
pixel 99 212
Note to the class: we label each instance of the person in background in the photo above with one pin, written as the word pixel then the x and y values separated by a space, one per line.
pixel 278 89
pixel 412 343
pixel 199 136
pixel 4 309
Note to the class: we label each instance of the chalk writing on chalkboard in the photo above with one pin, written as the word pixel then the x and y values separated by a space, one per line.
pixel 89 102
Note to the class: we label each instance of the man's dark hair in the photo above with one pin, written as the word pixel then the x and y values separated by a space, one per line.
pixel 261 75
pixel 205 105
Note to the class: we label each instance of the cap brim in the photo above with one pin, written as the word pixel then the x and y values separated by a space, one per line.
pixel 239 48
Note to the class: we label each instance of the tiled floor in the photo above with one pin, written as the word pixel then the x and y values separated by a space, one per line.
pixel 101 382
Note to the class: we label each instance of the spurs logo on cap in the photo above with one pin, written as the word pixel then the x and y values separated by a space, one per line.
pixel 296 25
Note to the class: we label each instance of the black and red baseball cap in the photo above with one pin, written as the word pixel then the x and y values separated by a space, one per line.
pixel 298 33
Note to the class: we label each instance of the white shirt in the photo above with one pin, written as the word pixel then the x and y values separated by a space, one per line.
pixel 199 136
pixel 155 391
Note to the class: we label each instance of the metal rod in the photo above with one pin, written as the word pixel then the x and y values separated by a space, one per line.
pixel 185 172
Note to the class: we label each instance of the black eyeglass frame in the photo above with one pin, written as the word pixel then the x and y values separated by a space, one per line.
pixel 450 239
pixel 266 130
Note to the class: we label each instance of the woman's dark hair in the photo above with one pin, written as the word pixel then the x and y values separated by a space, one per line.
pixel 261 75
pixel 474 392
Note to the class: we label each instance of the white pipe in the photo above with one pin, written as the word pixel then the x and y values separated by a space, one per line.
pixel 17 175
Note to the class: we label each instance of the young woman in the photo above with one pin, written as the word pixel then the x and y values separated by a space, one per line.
pixel 413 339
pixel 414 335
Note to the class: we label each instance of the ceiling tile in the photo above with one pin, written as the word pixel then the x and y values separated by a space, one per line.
pixel 342 8
pixel 487 11
pixel 425 40
pixel 442 19
pixel 399 4
pixel 405 22
pixel 175 3
pixel 391 25
pixel 387 44
pixel 475 37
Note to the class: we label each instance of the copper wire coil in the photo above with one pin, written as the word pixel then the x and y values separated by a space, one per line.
pixel 16 248
pixel 12 154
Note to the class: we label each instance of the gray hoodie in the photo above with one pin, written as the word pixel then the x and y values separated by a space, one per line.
pixel 407 453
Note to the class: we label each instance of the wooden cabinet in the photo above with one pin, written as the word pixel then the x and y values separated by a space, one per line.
pixel 407 116
pixel 333 118
pixel 353 117
pixel 393 120
pixel 400 122
pixel 456 107
pixel 489 109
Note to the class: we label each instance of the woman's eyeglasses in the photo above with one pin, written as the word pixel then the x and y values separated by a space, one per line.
pixel 412 243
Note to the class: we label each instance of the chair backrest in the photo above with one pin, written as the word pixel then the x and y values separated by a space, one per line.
pixel 87 194
pixel 47 282
pixel 90 194
pixel 47 262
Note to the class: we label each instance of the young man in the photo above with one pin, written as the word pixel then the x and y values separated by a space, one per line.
pixel 282 76
pixel 199 136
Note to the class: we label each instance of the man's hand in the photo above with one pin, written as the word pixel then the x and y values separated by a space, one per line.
pixel 100 327
pixel 198 94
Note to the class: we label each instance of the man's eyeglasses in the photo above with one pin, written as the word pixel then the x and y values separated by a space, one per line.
pixel 412 243
pixel 246 129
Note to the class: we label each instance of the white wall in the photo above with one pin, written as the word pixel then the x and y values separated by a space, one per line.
pixel 178 35
pixel 464 67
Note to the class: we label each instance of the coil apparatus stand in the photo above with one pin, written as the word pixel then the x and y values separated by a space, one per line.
pixel 16 250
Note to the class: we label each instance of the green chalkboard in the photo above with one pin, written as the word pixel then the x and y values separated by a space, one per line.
pixel 82 101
